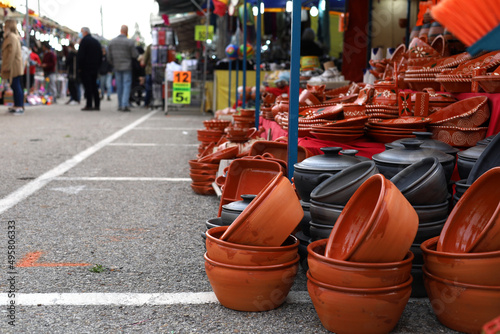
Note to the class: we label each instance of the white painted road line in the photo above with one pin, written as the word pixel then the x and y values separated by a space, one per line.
pixel 38 183
pixel 129 299
pixel 152 144
pixel 97 178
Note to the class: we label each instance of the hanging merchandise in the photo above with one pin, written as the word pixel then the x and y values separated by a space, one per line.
pixel 231 51
pixel 250 50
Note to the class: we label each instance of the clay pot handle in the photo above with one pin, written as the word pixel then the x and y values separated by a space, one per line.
pixel 323 177
pixel 251 132
pixel 283 139
pixel 268 155
pixel 220 181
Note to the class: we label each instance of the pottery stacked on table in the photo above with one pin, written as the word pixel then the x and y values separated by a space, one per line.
pixel 214 130
pixel 359 279
pixel 424 185
pixel 462 265
pixel 251 264
pixel 487 157
pixel 329 198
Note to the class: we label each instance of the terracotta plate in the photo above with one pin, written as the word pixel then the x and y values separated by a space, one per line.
pixel 404 122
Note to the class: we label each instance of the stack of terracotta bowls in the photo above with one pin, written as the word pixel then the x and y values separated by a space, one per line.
pixel 489 82
pixel 251 264
pixel 424 185
pixel 214 130
pixel 359 279
pixel 389 130
pixel 461 270
pixel 329 198
pixel 204 170
pixel 460 123
pixel 245 118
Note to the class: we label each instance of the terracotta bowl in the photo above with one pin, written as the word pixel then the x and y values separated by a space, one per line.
pixel 339 188
pixel 216 124
pixel 203 189
pixel 423 182
pixel 458 137
pixel 355 274
pixel 194 164
pixel 468 113
pixel 251 288
pixel 202 177
pixel 202 172
pixel 460 306
pixel 226 153
pixel 243 255
pixel 247 112
pixel 378 224
pixel 474 222
pixel 490 84
pixel 351 310
pixel 270 218
pixel 469 268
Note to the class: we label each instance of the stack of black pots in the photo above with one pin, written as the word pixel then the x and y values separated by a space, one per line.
pixel 424 185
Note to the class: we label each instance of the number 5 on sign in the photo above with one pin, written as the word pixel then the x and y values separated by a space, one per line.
pixel 181 97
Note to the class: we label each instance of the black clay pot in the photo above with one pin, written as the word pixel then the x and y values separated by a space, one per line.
pixel 325 214
pixel 304 242
pixel 310 172
pixel 417 286
pixel 352 153
pixel 418 254
pixel 461 187
pixel 304 223
pixel 319 231
pixel 466 160
pixel 486 140
pixel 428 142
pixel 428 231
pixel 432 213
pixel 391 162
pixel 232 210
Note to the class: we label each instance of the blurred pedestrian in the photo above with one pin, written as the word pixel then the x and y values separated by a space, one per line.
pixel 12 64
pixel 89 58
pixel 49 61
pixel 73 75
pixel 148 70
pixel 34 61
pixel 121 52
pixel 105 75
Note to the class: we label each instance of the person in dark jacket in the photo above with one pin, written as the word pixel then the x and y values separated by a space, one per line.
pixel 89 58
pixel 105 75
pixel 73 75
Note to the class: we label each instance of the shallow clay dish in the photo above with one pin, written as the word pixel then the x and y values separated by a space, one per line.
pixel 474 223
pixel 270 218
pixel 470 268
pixel 468 113
pixel 403 122
pixel 216 157
pixel 460 306
pixel 457 136
pixel 377 225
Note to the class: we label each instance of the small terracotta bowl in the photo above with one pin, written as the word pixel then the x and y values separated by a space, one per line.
pixel 350 310
pixel 474 223
pixel 356 274
pixel 459 306
pixel 378 224
pixel 202 177
pixel 251 288
pixel 469 268
pixel 194 164
pixel 244 255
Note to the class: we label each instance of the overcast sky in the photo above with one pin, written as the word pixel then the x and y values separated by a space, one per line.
pixel 79 13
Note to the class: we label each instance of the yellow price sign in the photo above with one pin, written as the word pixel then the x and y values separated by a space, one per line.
pixel 182 97
pixel 200 32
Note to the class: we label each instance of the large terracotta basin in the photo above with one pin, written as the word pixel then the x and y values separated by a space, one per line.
pixel 470 268
pixel 251 288
pixel 462 307
pixel 244 255
pixel 378 224
pixel 474 223
pixel 356 274
pixel 353 311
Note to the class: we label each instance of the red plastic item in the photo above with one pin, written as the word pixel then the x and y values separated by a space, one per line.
pixel 492 327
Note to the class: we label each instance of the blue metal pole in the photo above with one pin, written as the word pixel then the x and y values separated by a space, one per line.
pixel 257 60
pixel 229 85
pixel 237 80
pixel 293 96
pixel 245 16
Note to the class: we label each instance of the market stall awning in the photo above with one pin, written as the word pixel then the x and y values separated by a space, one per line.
pixel 186 6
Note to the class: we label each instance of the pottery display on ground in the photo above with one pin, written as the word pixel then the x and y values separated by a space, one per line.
pixel 378 224
pixel 466 160
pixel 434 212
pixel 251 288
pixel 232 210
pixel 474 223
pixel 324 213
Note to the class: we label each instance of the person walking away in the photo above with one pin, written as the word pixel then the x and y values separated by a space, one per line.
pixel 148 70
pixel 34 61
pixel 89 58
pixel 49 61
pixel 12 64
pixel 105 75
pixel 121 52
pixel 73 75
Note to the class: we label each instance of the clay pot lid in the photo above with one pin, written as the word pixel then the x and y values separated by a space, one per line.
pixel 239 206
pixel 410 153
pixel 428 142
pixel 331 160
pixel 472 153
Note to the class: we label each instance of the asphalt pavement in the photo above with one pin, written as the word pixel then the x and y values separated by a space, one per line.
pixel 108 230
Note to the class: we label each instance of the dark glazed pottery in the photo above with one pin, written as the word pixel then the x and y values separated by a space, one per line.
pixel 428 142
pixel 432 213
pixel 319 231
pixel 490 158
pixel 310 172
pixel 423 182
pixel 232 210
pixel 324 213
pixel 391 162
pixel 466 160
